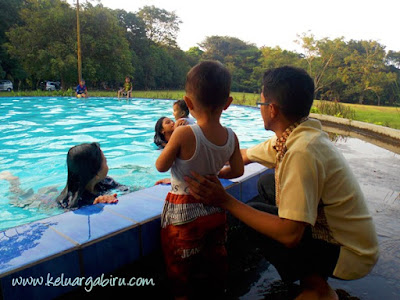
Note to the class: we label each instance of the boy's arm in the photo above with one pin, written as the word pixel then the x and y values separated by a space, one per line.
pixel 236 166
pixel 170 152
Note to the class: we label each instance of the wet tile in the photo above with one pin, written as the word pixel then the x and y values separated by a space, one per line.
pixel 235 191
pixel 88 223
pixel 249 188
pixel 226 182
pixel 51 279
pixel 112 253
pixel 138 207
pixel 150 234
pixel 157 192
pixel 249 171
pixel 28 244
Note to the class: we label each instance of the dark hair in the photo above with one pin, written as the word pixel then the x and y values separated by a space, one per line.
pixel 210 83
pixel 182 105
pixel 291 88
pixel 83 163
pixel 159 138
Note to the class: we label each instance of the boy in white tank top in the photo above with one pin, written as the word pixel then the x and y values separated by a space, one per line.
pixel 194 234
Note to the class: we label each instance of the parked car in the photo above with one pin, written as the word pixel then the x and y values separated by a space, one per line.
pixel 6 85
pixel 50 85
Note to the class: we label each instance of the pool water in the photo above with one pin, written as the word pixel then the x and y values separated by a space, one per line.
pixel 36 133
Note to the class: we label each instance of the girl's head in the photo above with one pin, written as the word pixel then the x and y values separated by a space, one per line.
pixel 163 130
pixel 86 163
pixel 180 110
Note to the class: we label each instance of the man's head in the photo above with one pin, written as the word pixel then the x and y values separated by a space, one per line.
pixel 209 82
pixel 291 89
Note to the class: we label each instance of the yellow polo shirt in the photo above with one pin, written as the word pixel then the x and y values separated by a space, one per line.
pixel 317 186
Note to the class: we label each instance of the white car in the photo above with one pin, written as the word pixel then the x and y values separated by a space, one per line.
pixel 50 85
pixel 6 85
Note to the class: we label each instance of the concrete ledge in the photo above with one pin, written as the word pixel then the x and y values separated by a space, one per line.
pixel 382 136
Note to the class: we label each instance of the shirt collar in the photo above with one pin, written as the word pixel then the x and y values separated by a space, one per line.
pixel 280 144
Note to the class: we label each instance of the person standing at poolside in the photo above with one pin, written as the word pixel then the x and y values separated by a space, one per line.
pixel 81 90
pixel 317 224
pixel 193 235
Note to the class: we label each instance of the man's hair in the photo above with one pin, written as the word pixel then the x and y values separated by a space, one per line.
pixel 210 83
pixel 292 89
pixel 183 107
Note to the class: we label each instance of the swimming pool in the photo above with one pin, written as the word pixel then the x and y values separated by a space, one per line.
pixel 36 133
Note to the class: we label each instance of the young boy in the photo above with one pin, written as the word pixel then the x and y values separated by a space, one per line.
pixel 181 113
pixel 81 90
pixel 126 89
pixel 192 234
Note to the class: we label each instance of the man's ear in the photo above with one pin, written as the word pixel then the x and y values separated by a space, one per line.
pixel 228 102
pixel 188 102
pixel 274 111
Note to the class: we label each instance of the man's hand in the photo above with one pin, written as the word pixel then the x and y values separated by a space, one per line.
pixel 106 199
pixel 207 189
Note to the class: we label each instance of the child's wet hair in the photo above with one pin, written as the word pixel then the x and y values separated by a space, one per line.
pixel 159 138
pixel 183 107
pixel 83 163
pixel 210 83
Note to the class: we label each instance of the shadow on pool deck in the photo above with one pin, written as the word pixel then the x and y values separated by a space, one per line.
pixel 251 277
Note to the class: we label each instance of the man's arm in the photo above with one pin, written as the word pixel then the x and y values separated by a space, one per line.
pixel 246 160
pixel 210 191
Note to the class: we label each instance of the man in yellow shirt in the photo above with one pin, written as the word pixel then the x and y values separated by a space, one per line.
pixel 317 225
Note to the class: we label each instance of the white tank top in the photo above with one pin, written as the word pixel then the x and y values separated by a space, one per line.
pixel 208 159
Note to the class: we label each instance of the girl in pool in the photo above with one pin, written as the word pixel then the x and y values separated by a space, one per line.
pixel 87 182
pixel 164 129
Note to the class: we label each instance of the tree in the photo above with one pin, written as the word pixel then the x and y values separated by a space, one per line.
pixel 162 27
pixel 43 42
pixel 239 57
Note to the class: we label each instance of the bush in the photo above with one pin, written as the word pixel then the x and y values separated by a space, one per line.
pixel 335 109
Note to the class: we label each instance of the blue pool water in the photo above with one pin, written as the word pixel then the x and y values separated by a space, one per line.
pixel 36 133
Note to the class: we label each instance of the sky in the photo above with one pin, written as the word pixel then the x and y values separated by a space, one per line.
pixel 277 23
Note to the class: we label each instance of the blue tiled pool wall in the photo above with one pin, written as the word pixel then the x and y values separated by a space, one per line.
pixel 93 240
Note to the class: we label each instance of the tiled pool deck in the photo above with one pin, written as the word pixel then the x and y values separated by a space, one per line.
pixel 91 241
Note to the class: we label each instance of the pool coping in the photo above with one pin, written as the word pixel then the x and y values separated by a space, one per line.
pixel 93 240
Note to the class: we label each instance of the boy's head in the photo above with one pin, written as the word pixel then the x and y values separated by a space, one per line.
pixel 180 109
pixel 209 82
pixel 82 82
pixel 292 89
pixel 127 79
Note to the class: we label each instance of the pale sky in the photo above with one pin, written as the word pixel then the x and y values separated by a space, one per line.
pixel 277 23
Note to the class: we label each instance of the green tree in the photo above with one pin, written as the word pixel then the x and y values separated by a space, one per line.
pixel 105 48
pixel 162 26
pixel 43 42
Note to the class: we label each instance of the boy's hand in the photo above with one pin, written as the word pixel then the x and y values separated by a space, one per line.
pixel 106 199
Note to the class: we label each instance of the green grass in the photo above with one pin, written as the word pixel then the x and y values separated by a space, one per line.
pixel 380 115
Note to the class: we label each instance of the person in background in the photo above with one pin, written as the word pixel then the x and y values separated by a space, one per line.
pixel 126 90
pixel 310 219
pixel 193 235
pixel 81 90
pixel 181 114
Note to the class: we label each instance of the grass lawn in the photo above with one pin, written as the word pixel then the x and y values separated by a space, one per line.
pixel 380 115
